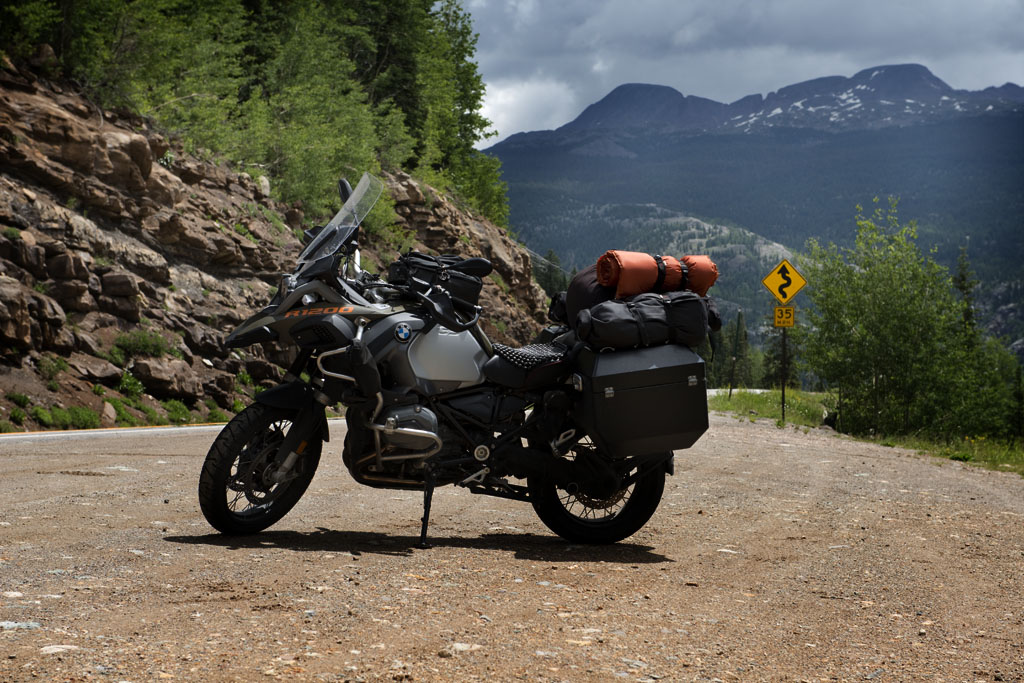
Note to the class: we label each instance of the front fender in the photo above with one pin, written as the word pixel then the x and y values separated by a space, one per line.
pixel 296 396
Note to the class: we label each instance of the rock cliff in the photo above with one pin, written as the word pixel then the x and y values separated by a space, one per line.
pixel 125 260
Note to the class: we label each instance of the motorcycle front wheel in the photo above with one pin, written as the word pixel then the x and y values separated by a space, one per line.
pixel 237 493
pixel 580 518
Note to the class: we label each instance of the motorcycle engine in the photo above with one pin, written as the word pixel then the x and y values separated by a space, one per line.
pixel 410 417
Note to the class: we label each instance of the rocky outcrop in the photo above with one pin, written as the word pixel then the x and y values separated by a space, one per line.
pixel 108 228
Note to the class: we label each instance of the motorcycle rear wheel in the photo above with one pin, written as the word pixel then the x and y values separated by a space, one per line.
pixel 235 492
pixel 579 518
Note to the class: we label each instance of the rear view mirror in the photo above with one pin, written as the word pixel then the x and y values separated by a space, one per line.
pixel 344 190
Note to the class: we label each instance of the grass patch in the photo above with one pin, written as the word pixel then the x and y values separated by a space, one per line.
pixel 500 281
pixel 75 417
pixel 41 415
pixel 51 366
pixel 122 418
pixel 807 409
pixel 802 408
pixel 20 400
pixel 217 415
pixel 993 454
pixel 18 416
pixel 177 412
pixel 144 343
pixel 6 427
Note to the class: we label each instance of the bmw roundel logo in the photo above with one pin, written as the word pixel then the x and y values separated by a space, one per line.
pixel 403 332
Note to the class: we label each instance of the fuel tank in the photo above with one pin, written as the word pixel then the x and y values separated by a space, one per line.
pixel 428 358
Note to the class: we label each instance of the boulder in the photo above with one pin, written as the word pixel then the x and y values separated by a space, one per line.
pixel 15 323
pixel 120 285
pixel 164 187
pixel 122 307
pixel 261 370
pixel 68 266
pixel 168 378
pixel 93 369
pixel 87 344
pixel 73 295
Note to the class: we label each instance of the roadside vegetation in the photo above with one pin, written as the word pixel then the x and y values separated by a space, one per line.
pixel 301 92
pixel 891 339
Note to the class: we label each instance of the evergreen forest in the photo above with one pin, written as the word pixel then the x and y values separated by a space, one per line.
pixel 300 92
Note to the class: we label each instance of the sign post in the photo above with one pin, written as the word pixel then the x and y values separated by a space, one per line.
pixel 784 281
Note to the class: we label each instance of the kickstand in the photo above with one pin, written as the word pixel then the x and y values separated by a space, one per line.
pixel 428 495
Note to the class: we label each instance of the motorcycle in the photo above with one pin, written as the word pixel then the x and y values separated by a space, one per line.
pixel 585 436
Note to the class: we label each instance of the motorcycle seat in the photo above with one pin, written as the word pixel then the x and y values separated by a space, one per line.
pixel 528 366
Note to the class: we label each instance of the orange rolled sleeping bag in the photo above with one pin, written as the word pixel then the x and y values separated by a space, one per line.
pixel 633 272
pixel 701 273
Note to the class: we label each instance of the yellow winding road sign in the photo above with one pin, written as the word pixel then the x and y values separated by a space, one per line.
pixel 784 281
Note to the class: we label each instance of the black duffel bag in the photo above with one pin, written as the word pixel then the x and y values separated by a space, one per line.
pixel 650 319
pixel 423 271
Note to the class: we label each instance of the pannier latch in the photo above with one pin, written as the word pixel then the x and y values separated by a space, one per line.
pixel 609 392
pixel 692 380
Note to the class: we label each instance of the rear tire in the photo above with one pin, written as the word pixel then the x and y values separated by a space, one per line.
pixel 583 519
pixel 235 494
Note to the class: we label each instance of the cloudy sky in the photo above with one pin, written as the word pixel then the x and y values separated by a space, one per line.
pixel 544 61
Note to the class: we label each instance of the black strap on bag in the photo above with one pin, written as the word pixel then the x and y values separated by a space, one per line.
pixel 660 282
pixel 641 325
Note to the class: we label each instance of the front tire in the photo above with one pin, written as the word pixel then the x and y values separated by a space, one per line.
pixel 236 494
pixel 579 518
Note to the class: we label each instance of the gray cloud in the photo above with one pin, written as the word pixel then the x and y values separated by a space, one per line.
pixel 544 61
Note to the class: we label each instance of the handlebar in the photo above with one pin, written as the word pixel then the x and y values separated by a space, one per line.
pixel 442 309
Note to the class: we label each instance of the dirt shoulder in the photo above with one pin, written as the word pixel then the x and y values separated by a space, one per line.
pixel 776 555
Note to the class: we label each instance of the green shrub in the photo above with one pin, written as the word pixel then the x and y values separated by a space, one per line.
pixel 237 406
pixel 20 400
pixel 6 427
pixel 61 417
pixel 53 385
pixel 145 343
pixel 99 389
pixel 41 415
pixel 244 378
pixel 18 416
pixel 123 417
pixel 177 412
pixel 51 366
pixel 129 386
pixel 152 416
pixel 84 418
pixel 217 415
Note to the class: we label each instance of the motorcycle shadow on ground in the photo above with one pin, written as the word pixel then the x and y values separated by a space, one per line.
pixel 526 546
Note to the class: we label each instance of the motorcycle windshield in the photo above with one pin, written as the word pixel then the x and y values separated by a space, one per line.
pixel 336 233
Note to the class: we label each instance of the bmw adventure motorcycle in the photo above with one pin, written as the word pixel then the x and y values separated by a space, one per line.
pixel 586 437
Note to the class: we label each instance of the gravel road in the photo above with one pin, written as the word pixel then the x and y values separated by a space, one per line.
pixel 777 554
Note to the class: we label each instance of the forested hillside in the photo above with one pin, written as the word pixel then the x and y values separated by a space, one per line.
pixel 160 160
pixel 296 91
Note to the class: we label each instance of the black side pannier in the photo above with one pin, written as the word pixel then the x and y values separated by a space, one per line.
pixel 643 401
pixel 679 317
pixel 423 271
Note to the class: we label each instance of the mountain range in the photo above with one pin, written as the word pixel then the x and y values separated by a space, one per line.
pixel 785 167
pixel 883 96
